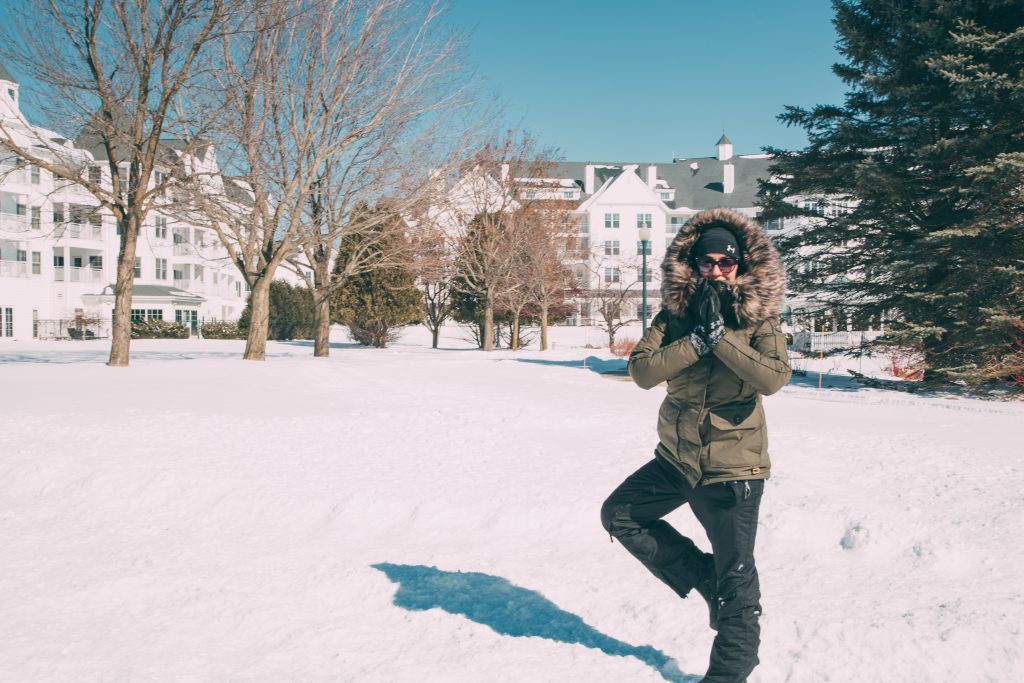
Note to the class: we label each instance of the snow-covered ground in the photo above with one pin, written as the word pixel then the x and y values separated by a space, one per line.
pixel 417 515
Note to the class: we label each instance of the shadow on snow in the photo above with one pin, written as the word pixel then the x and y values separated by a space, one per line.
pixel 602 366
pixel 512 611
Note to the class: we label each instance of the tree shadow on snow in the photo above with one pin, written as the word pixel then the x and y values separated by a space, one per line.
pixel 602 366
pixel 512 611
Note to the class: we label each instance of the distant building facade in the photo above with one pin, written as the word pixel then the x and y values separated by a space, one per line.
pixel 58 249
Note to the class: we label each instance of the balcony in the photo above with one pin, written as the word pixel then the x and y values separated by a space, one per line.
pixel 14 269
pixel 11 222
pixel 79 231
pixel 62 274
pixel 183 249
pixel 183 283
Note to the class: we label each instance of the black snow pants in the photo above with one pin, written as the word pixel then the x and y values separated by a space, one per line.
pixel 728 513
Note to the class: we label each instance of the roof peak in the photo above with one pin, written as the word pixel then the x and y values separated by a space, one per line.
pixel 5 75
pixel 723 140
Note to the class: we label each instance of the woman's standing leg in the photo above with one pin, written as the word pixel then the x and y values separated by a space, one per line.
pixel 728 512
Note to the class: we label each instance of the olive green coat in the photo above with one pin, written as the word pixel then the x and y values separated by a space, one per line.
pixel 711 424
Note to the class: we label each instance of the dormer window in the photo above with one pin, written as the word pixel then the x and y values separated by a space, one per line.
pixel 10 93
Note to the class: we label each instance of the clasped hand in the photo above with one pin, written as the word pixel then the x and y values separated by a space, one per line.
pixel 710 323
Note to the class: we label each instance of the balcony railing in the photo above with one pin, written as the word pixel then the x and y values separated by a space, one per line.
pixel 14 269
pixel 79 231
pixel 182 283
pixel 12 222
pixel 62 274
pixel 183 249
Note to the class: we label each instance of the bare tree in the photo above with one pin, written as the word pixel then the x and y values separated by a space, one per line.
pixel 124 75
pixel 322 96
pixel 403 108
pixel 550 237
pixel 613 284
pixel 479 210
pixel 433 262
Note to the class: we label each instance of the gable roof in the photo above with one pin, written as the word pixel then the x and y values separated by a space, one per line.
pixel 5 75
pixel 695 188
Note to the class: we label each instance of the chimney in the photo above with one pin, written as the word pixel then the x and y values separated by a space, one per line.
pixel 728 178
pixel 652 176
pixel 588 179
pixel 724 148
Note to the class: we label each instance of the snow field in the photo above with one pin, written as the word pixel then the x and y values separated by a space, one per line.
pixel 195 517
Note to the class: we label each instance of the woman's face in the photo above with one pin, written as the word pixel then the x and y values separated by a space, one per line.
pixel 709 267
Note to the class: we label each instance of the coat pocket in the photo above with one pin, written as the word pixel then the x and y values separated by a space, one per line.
pixel 736 437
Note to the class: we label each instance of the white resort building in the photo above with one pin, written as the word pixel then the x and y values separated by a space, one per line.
pixel 58 251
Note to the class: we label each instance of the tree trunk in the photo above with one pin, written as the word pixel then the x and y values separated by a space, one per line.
pixel 611 336
pixel 121 332
pixel 489 322
pixel 543 327
pixel 259 320
pixel 322 342
pixel 514 342
pixel 435 332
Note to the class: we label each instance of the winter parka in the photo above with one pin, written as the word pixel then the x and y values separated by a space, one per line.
pixel 711 424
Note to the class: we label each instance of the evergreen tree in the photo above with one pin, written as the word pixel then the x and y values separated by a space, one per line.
pixel 292 313
pixel 915 182
pixel 374 304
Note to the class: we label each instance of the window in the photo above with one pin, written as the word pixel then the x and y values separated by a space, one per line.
pixel 35 174
pixel 611 220
pixel 58 213
pixel 37 263
pixel 96 262
pixel 20 209
pixel 774 224
pixel 198 273
pixel 143 314
pixel 161 269
pixel 611 248
pixel 640 247
pixel 58 260
pixel 21 255
pixel 95 175
pixel 238 289
pixel 584 224
pixel 159 178
pixel 160 227
pixel 611 275
pixel 674 223
pixel 643 220
pixel 8 322
pixel 198 238
pixel 35 323
pixel 37 217
pixel 138 267
pixel 645 275
pixel 568 194
pixel 665 196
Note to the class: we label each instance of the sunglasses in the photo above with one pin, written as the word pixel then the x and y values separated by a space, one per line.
pixel 726 264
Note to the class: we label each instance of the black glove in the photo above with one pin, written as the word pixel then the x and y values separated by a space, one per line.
pixel 727 299
pixel 711 325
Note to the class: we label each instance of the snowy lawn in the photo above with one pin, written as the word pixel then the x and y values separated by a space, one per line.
pixel 417 515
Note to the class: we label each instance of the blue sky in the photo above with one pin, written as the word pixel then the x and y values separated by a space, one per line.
pixel 610 80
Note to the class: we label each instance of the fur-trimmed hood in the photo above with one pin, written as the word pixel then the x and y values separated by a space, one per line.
pixel 760 286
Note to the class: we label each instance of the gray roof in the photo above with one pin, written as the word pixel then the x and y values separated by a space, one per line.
pixel 5 75
pixel 723 141
pixel 696 189
pixel 156 291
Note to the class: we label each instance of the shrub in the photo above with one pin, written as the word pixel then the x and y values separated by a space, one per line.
pixel 222 330
pixel 292 313
pixel 623 347
pixel 159 329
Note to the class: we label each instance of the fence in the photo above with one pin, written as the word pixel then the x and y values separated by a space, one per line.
pixel 814 342
pixel 73 328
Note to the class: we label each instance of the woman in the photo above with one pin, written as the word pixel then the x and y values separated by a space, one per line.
pixel 717 344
